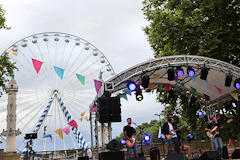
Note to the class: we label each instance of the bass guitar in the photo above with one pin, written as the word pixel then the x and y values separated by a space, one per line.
pixel 211 134
pixel 173 132
pixel 131 143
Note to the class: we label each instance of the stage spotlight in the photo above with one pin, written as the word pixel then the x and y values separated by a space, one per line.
pixel 171 74
pixel 200 113
pixel 163 136
pixel 123 141
pixel 145 81
pixel 146 137
pixel 204 73
pixel 190 136
pixel 228 80
pixel 237 83
pixel 139 96
pixel 190 71
pixel 179 71
pixel 131 86
pixel 234 104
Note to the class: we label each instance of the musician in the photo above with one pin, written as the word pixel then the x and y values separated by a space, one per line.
pixel 168 129
pixel 128 133
pixel 217 140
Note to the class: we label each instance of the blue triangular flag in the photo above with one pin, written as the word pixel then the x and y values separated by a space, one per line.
pixel 127 91
pixel 59 71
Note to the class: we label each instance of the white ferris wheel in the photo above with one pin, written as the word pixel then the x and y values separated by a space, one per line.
pixel 55 79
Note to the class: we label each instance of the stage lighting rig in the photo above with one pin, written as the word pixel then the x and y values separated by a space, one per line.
pixel 190 71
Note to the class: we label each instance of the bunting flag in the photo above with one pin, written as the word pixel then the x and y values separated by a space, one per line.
pixel 151 85
pixel 127 91
pixel 207 98
pixel 81 78
pixel 123 95
pixel 194 91
pixel 167 86
pixel 93 108
pixel 48 135
pixel 194 79
pixel 13 52
pixel 139 82
pixel 83 114
pixel 37 65
pixel 59 132
pixel 59 71
pixel 234 95
pixel 155 77
pixel 66 130
pixel 219 90
pixel 73 123
pixel 182 84
pixel 98 85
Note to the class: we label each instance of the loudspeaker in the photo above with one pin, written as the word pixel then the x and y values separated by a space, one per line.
pixel 114 145
pixel 236 154
pixel 209 155
pixel 83 158
pixel 175 157
pixel 109 109
pixel 139 158
pixel 31 136
pixel 154 153
pixel 145 81
pixel 111 156
pixel 225 152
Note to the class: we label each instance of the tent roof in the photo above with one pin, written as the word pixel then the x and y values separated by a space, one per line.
pixel 157 69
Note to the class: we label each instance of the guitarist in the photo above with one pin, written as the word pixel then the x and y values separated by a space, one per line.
pixel 128 133
pixel 217 140
pixel 168 127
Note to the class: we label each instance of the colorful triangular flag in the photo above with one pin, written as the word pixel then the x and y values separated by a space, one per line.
pixel 194 79
pixel 193 90
pixel 151 85
pixel 219 90
pixel 234 95
pixel 13 52
pixel 123 95
pixel 73 123
pixel 66 130
pixel 127 91
pixel 81 78
pixel 59 132
pixel 83 114
pixel 167 86
pixel 182 84
pixel 37 65
pixel 59 71
pixel 98 85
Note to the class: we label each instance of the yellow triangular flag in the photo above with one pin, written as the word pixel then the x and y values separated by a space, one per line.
pixel 13 52
pixel 234 95
pixel 81 119
pixel 59 132
pixel 83 114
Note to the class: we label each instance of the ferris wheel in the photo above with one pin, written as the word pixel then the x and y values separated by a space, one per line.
pixel 55 78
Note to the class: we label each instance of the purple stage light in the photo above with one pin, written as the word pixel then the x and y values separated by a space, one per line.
pixel 123 141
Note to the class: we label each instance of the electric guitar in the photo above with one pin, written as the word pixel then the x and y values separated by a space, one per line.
pixel 211 134
pixel 130 144
pixel 173 132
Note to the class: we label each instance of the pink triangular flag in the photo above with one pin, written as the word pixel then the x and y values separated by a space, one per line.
pixel 218 116
pixel 66 130
pixel 219 90
pixel 73 123
pixel 37 65
pixel 167 86
pixel 98 85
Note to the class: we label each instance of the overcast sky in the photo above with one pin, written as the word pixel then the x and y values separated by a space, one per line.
pixel 113 26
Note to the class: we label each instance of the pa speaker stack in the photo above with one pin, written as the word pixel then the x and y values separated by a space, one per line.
pixel 111 156
pixel 209 155
pixel 83 158
pixel 109 109
pixel 175 157
pixel 236 154
pixel 139 158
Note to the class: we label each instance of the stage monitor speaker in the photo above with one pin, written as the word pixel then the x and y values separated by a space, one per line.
pixel 154 153
pixel 83 158
pixel 111 156
pixel 225 153
pixel 175 157
pixel 139 158
pixel 114 145
pixel 209 155
pixel 236 154
pixel 109 109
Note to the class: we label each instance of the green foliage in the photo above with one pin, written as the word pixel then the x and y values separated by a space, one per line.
pixel 2 19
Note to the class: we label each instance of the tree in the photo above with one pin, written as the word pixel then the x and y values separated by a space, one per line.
pixel 6 66
pixel 208 28
pixel 201 27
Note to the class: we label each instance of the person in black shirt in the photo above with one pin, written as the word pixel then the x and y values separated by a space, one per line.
pixel 217 140
pixel 128 133
pixel 168 129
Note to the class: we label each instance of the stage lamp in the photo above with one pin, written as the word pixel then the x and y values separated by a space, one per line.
pixel 131 86
pixel 204 73
pixel 145 81
pixel 146 137
pixel 237 83
pixel 171 74
pixel 179 71
pixel 163 136
pixel 234 104
pixel 190 136
pixel 190 71
pixel 200 113
pixel 228 80
pixel 123 141
pixel 139 96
